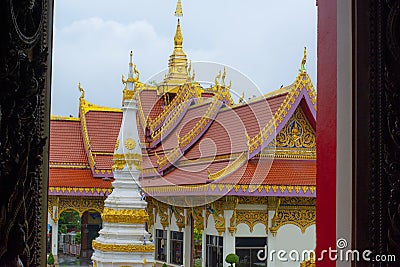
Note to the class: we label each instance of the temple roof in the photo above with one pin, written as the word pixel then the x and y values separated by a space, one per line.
pixel 193 139
pixel 222 157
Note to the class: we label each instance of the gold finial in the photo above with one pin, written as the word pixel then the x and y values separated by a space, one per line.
pixel 178 10
pixel 217 78
pixel 190 67
pixel 123 79
pixel 178 39
pixel 81 90
pixel 223 76
pixel 135 71
pixel 304 60
pixel 241 99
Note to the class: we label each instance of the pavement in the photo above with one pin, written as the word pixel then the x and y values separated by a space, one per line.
pixel 65 260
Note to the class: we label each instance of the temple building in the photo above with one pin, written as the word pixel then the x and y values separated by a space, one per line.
pixel 218 177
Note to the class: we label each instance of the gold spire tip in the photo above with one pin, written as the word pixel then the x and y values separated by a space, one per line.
pixel 178 10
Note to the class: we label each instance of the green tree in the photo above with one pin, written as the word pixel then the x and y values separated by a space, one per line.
pixel 50 259
pixel 71 220
pixel 78 238
pixel 231 259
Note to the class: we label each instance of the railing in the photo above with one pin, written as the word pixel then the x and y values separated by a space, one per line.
pixel 174 118
pixel 183 95
pixel 192 136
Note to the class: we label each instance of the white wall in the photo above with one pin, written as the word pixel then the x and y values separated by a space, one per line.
pixel 290 237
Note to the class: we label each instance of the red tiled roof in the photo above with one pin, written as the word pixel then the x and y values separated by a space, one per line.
pixel 277 172
pixel 75 178
pixel 265 172
pixel 151 103
pixel 66 142
pixel 103 129
pixel 103 162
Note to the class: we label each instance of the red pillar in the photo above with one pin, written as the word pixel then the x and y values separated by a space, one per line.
pixel 326 128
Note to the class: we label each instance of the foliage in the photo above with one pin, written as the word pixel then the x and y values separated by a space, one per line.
pixel 231 259
pixel 62 229
pixel 197 262
pixel 69 221
pixel 164 265
pixel 50 259
pixel 198 236
pixel 78 238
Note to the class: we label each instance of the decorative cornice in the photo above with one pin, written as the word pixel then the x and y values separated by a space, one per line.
pixel 125 216
pixel 68 165
pixel 84 191
pixel 122 247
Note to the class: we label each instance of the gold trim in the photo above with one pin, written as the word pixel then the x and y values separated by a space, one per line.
pixel 251 218
pixel 302 80
pixel 231 168
pixel 122 248
pixel 129 159
pixel 125 216
pixel 78 204
pixel 63 118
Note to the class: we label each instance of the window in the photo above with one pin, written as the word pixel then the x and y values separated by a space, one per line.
pixel 247 249
pixel 214 252
pixel 176 247
pixel 161 245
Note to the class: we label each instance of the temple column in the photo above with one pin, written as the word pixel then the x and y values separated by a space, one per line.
pixel 271 240
pixel 168 247
pixel 229 239
pixel 54 236
pixel 187 242
pixel 203 247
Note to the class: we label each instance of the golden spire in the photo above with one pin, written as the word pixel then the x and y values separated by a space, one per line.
pixel 178 10
pixel 177 65
pixel 178 39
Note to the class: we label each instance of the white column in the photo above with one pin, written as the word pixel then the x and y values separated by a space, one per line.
pixel 271 240
pixel 203 240
pixel 187 243
pixel 203 246
pixel 229 239
pixel 168 247
pixel 54 236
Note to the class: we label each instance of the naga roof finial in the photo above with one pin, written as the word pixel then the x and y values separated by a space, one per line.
pixel 303 61
pixel 81 90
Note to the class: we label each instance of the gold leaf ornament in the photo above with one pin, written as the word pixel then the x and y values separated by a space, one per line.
pixel 130 144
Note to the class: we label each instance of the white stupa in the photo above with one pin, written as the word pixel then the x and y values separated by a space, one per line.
pixel 124 241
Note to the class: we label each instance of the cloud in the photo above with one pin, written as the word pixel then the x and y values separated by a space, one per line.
pixel 263 40
pixel 95 52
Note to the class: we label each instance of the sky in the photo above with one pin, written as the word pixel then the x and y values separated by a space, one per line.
pixel 261 39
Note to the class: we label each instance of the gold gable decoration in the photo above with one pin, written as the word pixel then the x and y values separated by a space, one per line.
pixel 297 133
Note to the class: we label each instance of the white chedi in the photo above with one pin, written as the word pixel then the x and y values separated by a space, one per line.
pixel 123 240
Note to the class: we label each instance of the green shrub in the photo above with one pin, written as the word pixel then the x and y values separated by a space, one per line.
pixel 50 259
pixel 231 259
pixel 164 265
pixel 78 238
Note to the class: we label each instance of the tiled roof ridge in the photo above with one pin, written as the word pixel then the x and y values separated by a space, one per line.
pixel 301 87
pixel 291 92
